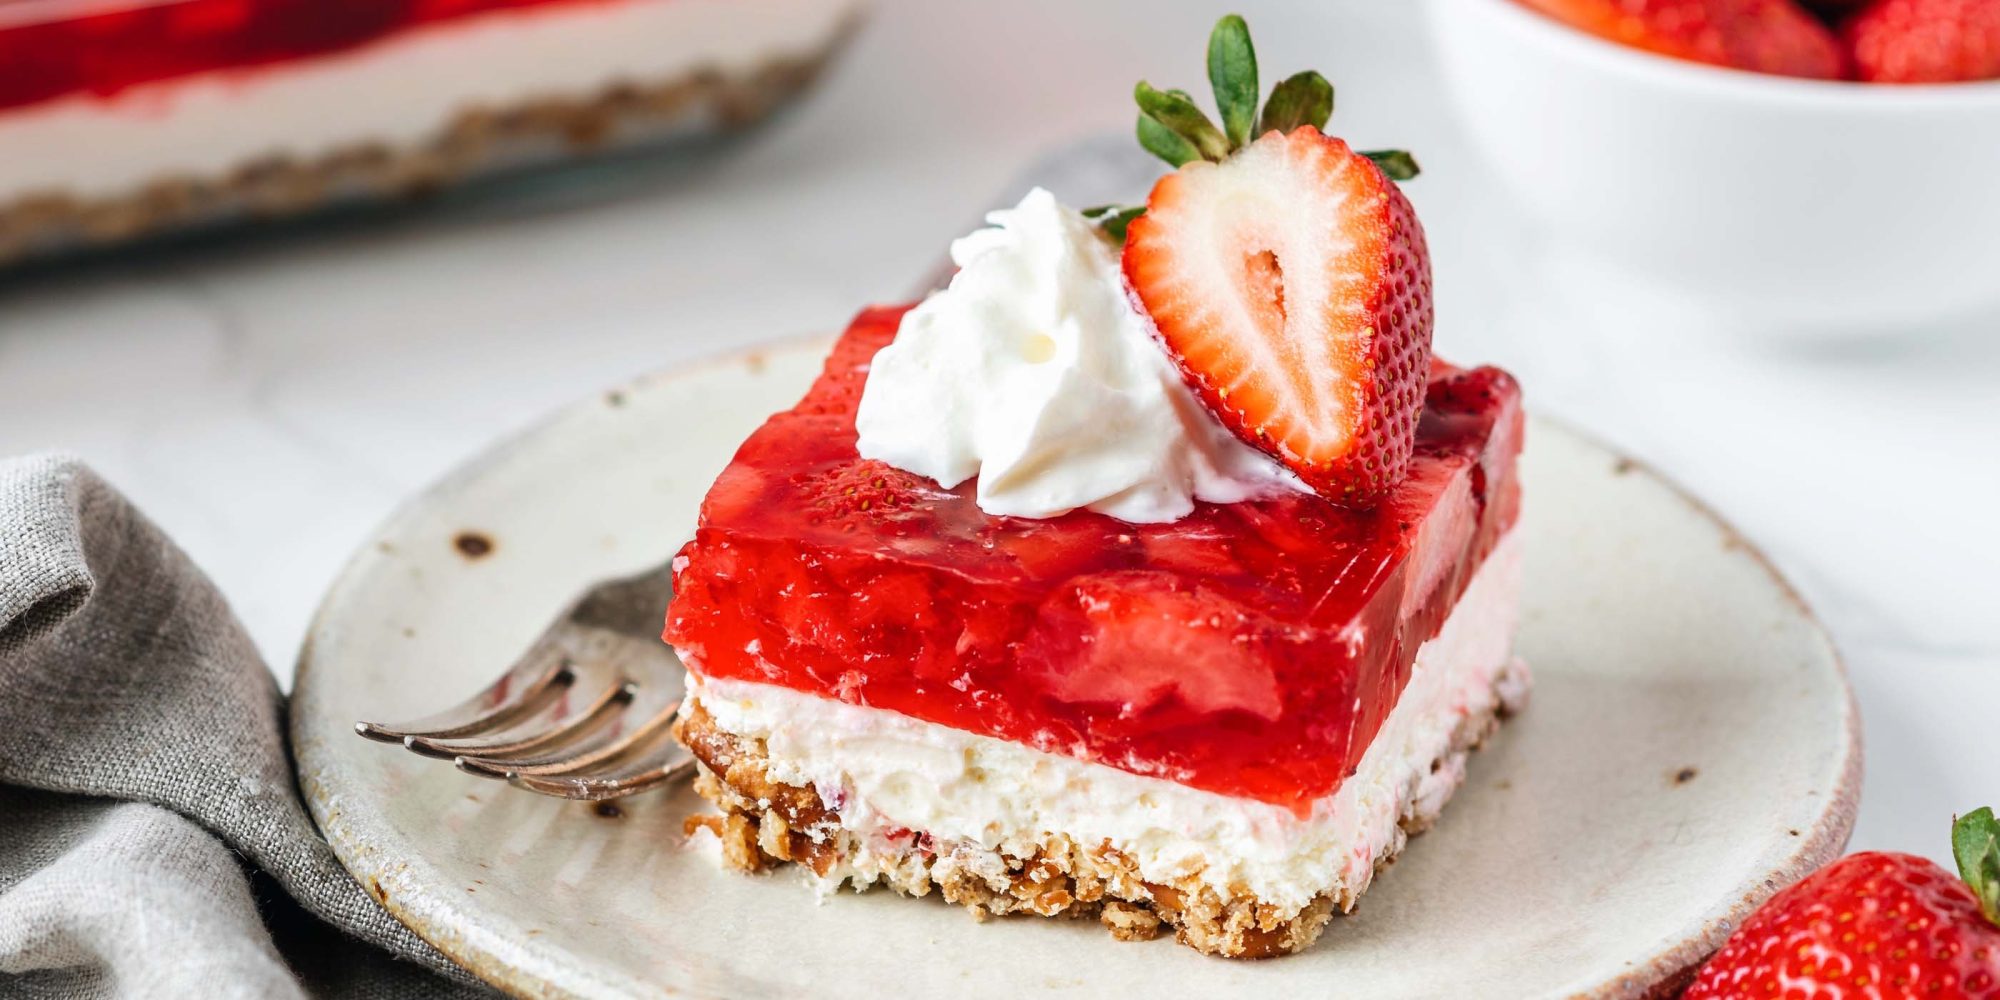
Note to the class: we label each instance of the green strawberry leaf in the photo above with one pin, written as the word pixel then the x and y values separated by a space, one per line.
pixel 1301 99
pixel 1172 127
pixel 1166 144
pixel 1177 112
pixel 1115 219
pixel 1975 843
pixel 1232 72
pixel 1398 164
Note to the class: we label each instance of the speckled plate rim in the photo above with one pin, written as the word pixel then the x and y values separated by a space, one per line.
pixel 1674 964
pixel 1664 972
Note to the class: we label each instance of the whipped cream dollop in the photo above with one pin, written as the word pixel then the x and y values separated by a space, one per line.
pixel 1035 372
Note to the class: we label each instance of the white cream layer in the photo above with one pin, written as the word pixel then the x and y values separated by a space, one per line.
pixel 884 771
pixel 398 90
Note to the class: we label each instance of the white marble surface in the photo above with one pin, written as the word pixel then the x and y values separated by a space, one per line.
pixel 270 400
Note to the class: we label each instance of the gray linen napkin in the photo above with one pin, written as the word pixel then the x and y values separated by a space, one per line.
pixel 152 841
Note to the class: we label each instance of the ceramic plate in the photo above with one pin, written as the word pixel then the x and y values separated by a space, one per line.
pixel 1692 745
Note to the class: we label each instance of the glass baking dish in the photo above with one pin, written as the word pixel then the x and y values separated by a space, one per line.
pixel 121 119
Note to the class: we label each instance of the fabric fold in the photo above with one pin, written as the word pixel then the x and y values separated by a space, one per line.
pixel 145 780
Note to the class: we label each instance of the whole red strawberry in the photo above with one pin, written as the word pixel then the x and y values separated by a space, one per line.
pixel 1286 274
pixel 1765 36
pixel 1926 41
pixel 1874 925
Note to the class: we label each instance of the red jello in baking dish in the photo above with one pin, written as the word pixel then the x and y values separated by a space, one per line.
pixel 1251 649
pixel 120 119
pixel 52 48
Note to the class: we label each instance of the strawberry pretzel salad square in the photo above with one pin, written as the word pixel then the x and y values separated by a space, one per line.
pixel 1154 570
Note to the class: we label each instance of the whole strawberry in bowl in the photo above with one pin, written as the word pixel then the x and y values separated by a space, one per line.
pixel 1761 36
pixel 1925 41
pixel 1874 924
pixel 1733 155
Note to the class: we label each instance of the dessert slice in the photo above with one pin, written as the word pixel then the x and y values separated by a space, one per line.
pixel 1225 723
pixel 1129 583
pixel 125 117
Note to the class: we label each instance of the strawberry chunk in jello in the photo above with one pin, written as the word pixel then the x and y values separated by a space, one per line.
pixel 1251 649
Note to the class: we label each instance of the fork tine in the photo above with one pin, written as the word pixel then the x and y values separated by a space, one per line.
pixel 502 703
pixel 658 761
pixel 535 733
pixel 638 739
pixel 668 768
pixel 586 712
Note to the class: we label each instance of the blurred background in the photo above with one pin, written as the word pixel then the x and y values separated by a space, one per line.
pixel 269 395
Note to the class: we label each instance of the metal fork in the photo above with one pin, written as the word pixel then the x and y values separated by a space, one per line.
pixel 585 713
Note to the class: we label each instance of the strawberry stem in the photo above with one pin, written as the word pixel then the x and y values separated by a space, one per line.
pixel 1975 844
pixel 1173 128
pixel 1232 74
pixel 1301 99
pixel 1114 219
pixel 1175 110
pixel 1397 163
pixel 1165 143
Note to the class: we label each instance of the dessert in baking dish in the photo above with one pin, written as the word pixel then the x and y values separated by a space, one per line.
pixel 122 118
pixel 1153 570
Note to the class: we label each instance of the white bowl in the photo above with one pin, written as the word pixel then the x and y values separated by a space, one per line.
pixel 1800 205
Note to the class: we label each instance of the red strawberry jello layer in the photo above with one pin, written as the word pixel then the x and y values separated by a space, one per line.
pixel 1252 649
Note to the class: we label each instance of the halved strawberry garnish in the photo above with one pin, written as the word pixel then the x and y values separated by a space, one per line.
pixel 1292 285
pixel 1288 277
